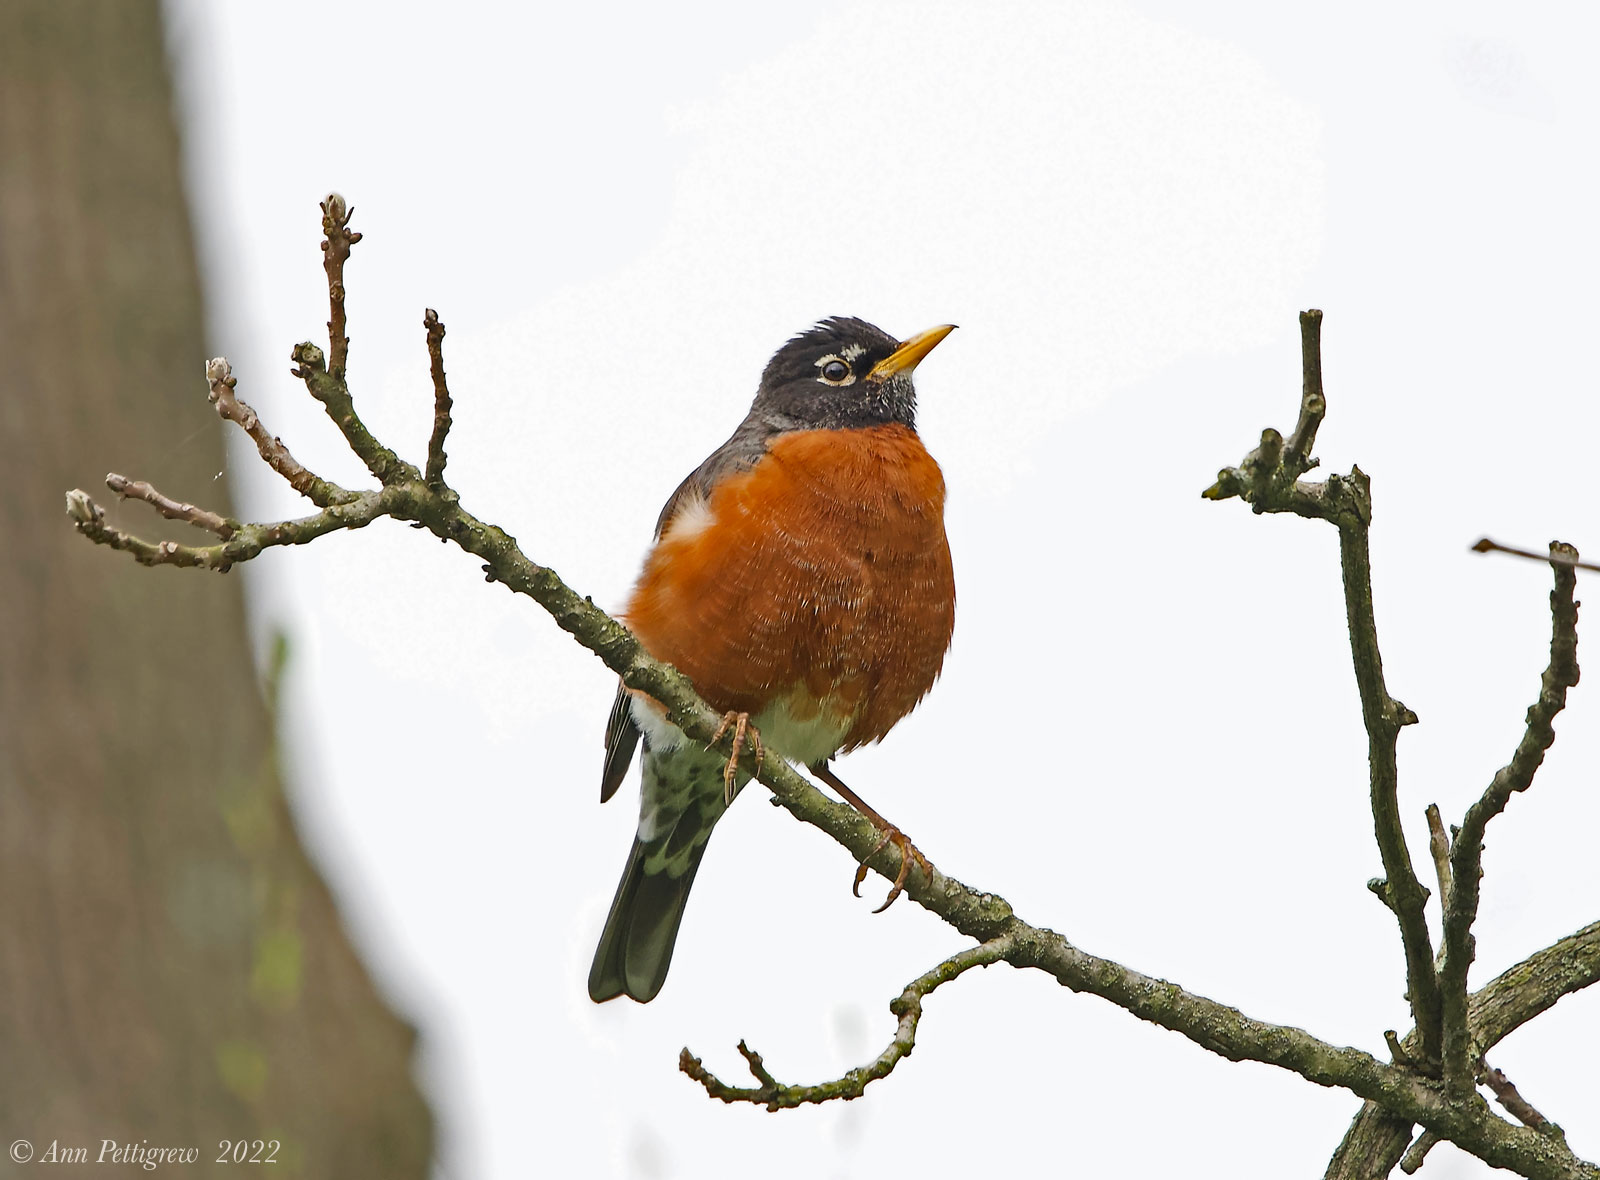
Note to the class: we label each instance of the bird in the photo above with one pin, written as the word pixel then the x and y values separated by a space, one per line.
pixel 801 579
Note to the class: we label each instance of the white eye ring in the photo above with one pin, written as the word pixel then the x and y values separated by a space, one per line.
pixel 829 362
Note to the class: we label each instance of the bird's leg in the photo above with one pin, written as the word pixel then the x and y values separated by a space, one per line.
pixel 742 731
pixel 891 834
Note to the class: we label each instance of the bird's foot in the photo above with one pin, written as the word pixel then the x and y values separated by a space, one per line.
pixel 908 852
pixel 891 835
pixel 743 732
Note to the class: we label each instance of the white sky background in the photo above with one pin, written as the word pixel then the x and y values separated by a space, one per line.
pixel 1147 735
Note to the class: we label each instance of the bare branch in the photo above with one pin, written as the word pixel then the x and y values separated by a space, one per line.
pixel 337 240
pixel 1517 775
pixel 1485 545
pixel 330 389
pixel 1377 1138
pixel 341 508
pixel 1534 985
pixel 1372 1145
pixel 1397 1051
pixel 1267 481
pixel 325 377
pixel 1519 1107
pixel 137 489
pixel 220 379
pixel 245 542
pixel 1384 717
pixel 1297 454
pixel 1439 848
pixel 1230 1033
pixel 907 1009
pixel 90 520
pixel 441 398
pixel 1418 1152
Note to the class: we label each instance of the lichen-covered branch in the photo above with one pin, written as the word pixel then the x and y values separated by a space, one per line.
pixel 1469 1123
pixel 1376 1140
pixel 334 395
pixel 1417 1153
pixel 1517 775
pixel 1533 986
pixel 907 1010
pixel 1269 480
pixel 1384 717
pixel 1444 1041
pixel 1508 1096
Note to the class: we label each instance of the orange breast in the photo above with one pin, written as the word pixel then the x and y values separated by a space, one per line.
pixel 822 576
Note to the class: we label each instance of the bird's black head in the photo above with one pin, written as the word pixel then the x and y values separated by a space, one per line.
pixel 843 373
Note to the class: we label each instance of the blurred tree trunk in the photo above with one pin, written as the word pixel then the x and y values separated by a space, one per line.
pixel 172 969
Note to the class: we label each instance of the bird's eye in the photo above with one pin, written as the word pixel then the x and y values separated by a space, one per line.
pixel 835 371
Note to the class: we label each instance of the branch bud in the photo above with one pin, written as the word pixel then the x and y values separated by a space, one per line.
pixel 81 508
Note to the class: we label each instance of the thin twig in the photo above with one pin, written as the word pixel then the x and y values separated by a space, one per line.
pixel 1297 453
pixel 138 489
pixel 246 540
pixel 1267 481
pixel 1516 1105
pixel 221 383
pixel 1397 1051
pixel 441 397
pixel 325 379
pixel 1384 717
pixel 907 1008
pixel 1412 1160
pixel 1439 848
pixel 1485 545
pixel 337 240
pixel 1517 775
pixel 330 389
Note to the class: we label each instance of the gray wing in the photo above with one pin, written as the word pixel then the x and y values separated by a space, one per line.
pixel 622 738
pixel 741 452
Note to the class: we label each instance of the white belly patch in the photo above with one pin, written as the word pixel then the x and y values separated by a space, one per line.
pixel 804 741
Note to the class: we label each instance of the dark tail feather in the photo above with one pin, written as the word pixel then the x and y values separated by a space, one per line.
pixel 636 947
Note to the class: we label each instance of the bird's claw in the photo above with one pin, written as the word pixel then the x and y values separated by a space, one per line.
pixel 908 852
pixel 743 731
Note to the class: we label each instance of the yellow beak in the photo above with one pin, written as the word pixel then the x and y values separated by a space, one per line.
pixel 906 357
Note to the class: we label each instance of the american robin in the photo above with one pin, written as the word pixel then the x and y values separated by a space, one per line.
pixel 801 579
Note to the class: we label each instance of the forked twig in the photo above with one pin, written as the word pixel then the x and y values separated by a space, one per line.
pixel 907 1009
